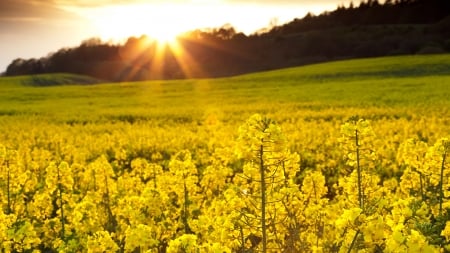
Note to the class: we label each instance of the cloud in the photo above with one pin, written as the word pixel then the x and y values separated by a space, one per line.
pixel 102 3
pixel 48 8
pixel 32 11
pixel 33 28
pixel 36 20
pixel 281 2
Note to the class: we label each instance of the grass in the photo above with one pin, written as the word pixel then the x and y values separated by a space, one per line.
pixel 49 80
pixel 420 83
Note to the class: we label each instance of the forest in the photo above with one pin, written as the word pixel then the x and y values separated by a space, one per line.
pixel 371 29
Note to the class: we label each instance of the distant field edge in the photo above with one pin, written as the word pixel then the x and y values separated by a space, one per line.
pixel 53 79
pixel 386 66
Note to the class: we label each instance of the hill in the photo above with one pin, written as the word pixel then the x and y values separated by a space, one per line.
pixel 403 27
pixel 394 83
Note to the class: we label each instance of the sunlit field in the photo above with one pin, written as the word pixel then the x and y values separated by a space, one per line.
pixel 348 156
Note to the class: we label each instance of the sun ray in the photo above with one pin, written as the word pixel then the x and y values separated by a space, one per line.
pixel 158 62
pixel 135 51
pixel 187 63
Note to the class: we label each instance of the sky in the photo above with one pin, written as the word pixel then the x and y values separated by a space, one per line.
pixel 35 28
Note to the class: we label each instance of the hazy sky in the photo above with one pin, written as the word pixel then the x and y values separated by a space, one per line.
pixel 34 28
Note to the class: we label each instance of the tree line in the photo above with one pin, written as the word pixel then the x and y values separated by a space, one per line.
pixel 368 30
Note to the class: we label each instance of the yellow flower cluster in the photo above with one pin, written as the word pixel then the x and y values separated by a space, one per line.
pixel 330 185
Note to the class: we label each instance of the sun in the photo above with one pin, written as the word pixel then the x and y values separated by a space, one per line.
pixel 166 34
pixel 110 28
pixel 121 22
pixel 166 37
pixel 164 28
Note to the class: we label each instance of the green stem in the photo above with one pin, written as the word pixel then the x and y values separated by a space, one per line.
pixel 360 194
pixel 185 207
pixel 441 183
pixel 61 203
pixel 263 199
pixel 154 177
pixel 353 242
pixel 360 191
pixel 242 239
pixel 422 194
pixel 95 182
pixel 8 189
pixel 111 225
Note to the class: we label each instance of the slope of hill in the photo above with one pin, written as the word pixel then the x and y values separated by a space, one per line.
pixel 361 69
pixel 397 83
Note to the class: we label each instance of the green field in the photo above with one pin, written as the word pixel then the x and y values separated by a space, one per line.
pixel 412 82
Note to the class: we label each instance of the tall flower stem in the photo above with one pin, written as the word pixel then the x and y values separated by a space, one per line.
pixel 358 168
pixel 263 198
pixel 441 182
pixel 60 190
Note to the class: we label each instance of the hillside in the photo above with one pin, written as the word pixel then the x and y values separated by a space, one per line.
pixel 405 27
pixel 414 82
